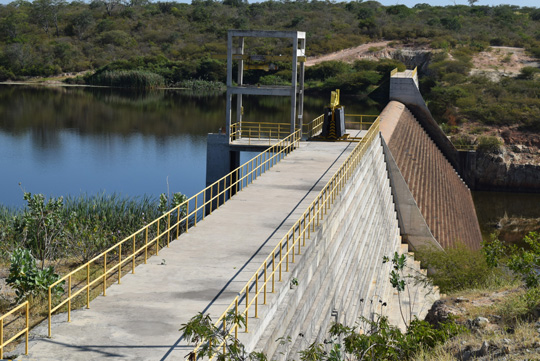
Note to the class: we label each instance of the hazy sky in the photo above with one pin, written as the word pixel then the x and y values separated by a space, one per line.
pixel 532 3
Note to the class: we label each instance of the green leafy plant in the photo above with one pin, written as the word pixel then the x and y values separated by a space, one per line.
pixel 526 262
pixel 43 226
pixel 488 144
pixel 401 278
pixel 217 342
pixel 27 279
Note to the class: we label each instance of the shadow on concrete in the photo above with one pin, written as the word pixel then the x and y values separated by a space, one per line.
pixel 175 346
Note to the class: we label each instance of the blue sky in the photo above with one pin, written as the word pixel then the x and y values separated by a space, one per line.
pixel 531 3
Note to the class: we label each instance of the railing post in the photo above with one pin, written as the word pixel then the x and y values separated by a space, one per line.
pixel 50 313
pixel 287 260
pixel 88 285
pixel 236 317
pixel 105 274
pixel 133 255
pixel 265 282
pixel 146 245
pixel 280 259
pixel 158 236
pixel 247 309
pixel 69 298
pixel 27 327
pixel 168 228
pixel 273 271
pixel 187 216
pixel 257 295
pixel 119 262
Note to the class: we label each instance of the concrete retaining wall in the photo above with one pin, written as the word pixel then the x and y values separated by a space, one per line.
pixel 341 275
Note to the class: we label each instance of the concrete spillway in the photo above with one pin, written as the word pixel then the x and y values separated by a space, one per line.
pixel 442 197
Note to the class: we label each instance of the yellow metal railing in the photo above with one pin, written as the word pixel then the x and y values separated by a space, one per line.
pixel 254 293
pixel 359 121
pixel 314 127
pixel 259 131
pixel 160 231
pixel 395 71
pixel 269 131
pixel 22 307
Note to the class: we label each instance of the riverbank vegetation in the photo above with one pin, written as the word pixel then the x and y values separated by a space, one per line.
pixel 63 233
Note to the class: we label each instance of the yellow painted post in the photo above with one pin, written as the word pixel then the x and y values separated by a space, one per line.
pixel 133 255
pixel 211 197
pixel 119 262
pixel 187 216
pixel 304 236
pixel 158 237
pixel 204 204
pixel 50 313
pixel 318 210
pixel 237 178
pixel 236 316
pixel 280 260
pixel 247 310
pixel 168 228
pixel 105 274
pixel 88 285
pixel 265 281
pixel 178 220
pixel 217 196
pixel 146 246
pixel 196 209
pixel 292 245
pixel 69 298
pixel 273 271
pixel 287 260
pixel 27 327
pixel 257 295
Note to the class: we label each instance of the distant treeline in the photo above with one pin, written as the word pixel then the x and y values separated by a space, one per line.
pixel 48 37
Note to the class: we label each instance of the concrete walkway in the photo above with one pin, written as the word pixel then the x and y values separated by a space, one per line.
pixel 201 271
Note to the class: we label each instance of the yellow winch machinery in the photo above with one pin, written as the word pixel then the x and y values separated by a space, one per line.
pixel 334 119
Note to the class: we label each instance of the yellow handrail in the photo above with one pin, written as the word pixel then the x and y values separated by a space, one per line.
pixel 25 331
pixel 314 127
pixel 256 130
pixel 393 72
pixel 291 244
pixel 162 229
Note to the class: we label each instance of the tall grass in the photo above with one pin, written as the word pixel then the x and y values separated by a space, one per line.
pixel 201 85
pixel 127 79
pixel 90 223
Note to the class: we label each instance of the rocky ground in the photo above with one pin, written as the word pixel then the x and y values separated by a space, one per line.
pixel 493 334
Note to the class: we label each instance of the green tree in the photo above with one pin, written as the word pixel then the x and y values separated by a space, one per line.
pixel 43 226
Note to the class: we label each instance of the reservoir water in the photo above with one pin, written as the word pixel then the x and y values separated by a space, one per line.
pixel 71 140
pixel 63 141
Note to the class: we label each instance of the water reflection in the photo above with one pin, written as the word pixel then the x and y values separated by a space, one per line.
pixel 68 140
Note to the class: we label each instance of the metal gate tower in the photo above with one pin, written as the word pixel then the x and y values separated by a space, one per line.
pixel 295 91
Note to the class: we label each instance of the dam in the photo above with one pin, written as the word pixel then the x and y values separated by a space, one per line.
pixel 293 240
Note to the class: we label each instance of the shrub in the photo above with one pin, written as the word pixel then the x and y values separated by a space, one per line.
pixel 458 268
pixel 29 281
pixel 526 262
pixel 488 144
pixel 127 79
